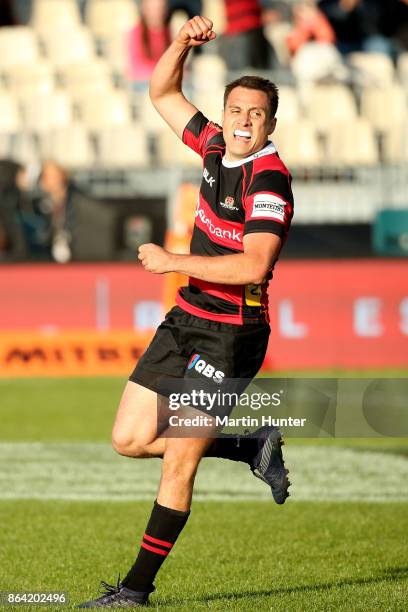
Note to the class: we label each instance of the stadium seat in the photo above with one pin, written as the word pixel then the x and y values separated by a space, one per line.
pixel 395 144
pixel 172 152
pixel 317 62
pixel 105 17
pixel 211 106
pixel 84 79
pixel 288 109
pixel 18 45
pixel 352 143
pixel 27 80
pixel 49 15
pixel 178 19
pixel 277 34
pixel 208 72
pixel 9 114
pixel 115 51
pixel 374 68
pixel 326 104
pixel 5 146
pixel 123 146
pixel 384 107
pixel 149 117
pixel 402 68
pixel 24 149
pixel 73 45
pixel 69 146
pixel 20 147
pixel 109 110
pixel 215 10
pixel 297 143
pixel 47 111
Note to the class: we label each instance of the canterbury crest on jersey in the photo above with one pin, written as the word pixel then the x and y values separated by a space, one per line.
pixel 236 198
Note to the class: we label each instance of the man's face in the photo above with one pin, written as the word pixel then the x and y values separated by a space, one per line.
pixel 246 123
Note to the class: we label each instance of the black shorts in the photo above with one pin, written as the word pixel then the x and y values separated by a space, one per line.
pixel 190 350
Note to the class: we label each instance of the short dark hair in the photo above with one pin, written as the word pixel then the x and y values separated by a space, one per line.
pixel 256 82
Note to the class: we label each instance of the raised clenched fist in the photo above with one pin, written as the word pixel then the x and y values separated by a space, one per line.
pixel 196 31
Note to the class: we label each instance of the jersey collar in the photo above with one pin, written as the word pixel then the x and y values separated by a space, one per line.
pixel 267 150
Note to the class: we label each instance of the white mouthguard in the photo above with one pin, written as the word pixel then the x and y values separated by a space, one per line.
pixel 243 134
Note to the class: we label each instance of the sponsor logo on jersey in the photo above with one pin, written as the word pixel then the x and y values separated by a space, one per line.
pixel 229 203
pixel 268 205
pixel 217 231
pixel 205 368
pixel 208 179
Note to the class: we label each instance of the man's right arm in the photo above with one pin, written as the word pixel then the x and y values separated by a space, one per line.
pixel 166 82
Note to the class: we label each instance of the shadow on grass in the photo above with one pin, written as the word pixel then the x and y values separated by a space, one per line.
pixel 389 574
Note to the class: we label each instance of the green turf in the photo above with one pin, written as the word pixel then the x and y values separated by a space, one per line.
pixel 232 555
pixel 59 409
pixel 242 556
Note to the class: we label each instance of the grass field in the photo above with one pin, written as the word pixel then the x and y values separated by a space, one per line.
pixel 72 513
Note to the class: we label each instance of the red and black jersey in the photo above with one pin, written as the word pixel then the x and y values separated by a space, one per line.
pixel 235 199
pixel 242 16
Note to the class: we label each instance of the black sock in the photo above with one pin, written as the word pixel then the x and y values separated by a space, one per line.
pixel 235 447
pixel 163 529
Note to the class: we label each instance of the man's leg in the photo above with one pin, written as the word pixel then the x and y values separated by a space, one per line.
pixel 134 434
pixel 170 511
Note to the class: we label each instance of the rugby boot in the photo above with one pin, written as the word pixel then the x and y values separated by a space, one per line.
pixel 118 597
pixel 268 463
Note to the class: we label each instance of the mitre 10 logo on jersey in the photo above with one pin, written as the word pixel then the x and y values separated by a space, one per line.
pixel 204 368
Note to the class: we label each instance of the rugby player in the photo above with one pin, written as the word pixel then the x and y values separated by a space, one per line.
pixel 221 319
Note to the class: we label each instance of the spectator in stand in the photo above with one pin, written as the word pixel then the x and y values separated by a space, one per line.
pixel 13 245
pixel 277 23
pixel 147 41
pixel 190 7
pixel 358 25
pixel 275 11
pixel 395 23
pixel 7 13
pixel 244 44
pixel 309 24
pixel 58 207
pixel 22 10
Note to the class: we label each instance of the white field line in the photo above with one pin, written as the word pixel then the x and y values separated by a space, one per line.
pixel 90 471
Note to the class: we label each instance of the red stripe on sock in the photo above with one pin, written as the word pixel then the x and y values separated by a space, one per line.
pixel 159 551
pixel 156 541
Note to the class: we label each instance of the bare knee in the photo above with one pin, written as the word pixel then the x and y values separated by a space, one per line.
pixel 135 424
pixel 125 444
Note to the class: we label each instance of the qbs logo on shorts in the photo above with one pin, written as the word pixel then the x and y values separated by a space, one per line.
pixel 206 369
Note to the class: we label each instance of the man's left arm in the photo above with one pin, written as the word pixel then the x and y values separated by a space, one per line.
pixel 250 267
